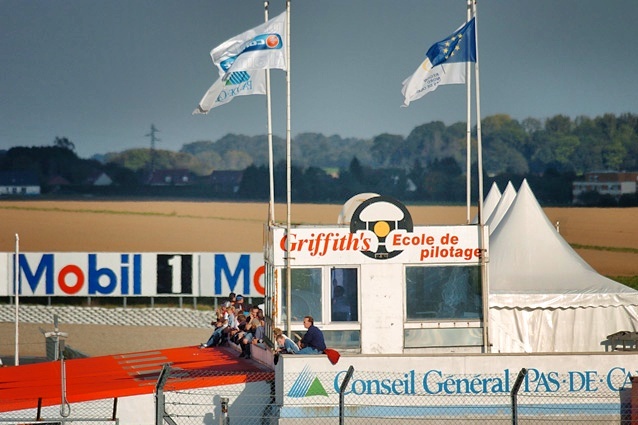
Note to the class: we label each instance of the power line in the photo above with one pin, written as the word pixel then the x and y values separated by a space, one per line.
pixel 154 139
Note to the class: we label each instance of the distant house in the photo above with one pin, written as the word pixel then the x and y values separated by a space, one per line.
pixel 179 177
pixel 56 183
pixel 98 178
pixel 19 183
pixel 612 183
pixel 225 181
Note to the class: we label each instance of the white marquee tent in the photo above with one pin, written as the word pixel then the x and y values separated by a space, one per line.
pixel 490 203
pixel 503 205
pixel 543 296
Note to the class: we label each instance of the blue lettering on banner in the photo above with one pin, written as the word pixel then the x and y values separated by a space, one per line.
pixel 70 279
pixel 242 270
pixel 405 386
pixel 537 381
pixel 435 382
pixel 33 279
pixel 614 371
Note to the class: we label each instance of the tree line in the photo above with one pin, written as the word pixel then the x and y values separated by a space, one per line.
pixel 426 166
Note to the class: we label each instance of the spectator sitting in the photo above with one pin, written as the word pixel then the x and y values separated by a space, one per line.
pixel 236 335
pixel 313 341
pixel 216 337
pixel 254 332
pixel 222 312
pixel 239 305
pixel 232 325
pixel 283 343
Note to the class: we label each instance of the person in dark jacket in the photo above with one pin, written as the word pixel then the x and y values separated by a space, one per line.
pixel 313 341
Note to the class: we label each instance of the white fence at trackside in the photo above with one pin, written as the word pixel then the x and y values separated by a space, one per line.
pixel 558 388
pixel 130 274
pixel 458 388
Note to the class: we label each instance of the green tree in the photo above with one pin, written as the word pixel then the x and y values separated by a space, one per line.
pixel 237 159
pixel 388 150
pixel 255 183
pixel 504 141
pixel 64 143
pixel 435 141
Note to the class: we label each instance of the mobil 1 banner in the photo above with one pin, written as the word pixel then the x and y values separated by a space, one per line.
pixel 84 274
pixel 177 274
pixel 222 273
pixel 103 274
pixel 6 277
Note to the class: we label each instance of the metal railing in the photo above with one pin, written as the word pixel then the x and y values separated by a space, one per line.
pixel 97 411
pixel 372 397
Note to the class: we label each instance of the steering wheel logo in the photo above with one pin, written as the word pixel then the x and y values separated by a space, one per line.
pixel 380 216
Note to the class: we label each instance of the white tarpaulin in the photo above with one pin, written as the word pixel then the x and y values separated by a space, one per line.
pixel 543 296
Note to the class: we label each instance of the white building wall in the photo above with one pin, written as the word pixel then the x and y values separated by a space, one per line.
pixel 19 190
pixel 381 311
pixel 627 187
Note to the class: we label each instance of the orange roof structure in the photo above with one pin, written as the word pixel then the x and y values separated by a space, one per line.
pixel 121 375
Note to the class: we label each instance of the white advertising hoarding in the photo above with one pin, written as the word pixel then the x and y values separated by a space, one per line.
pixel 241 273
pixel 134 274
pixel 338 245
pixel 589 382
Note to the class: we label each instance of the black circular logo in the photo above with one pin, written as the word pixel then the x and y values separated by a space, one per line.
pixel 381 215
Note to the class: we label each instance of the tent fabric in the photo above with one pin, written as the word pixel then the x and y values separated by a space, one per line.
pixel 502 207
pixel 491 200
pixel 558 330
pixel 543 297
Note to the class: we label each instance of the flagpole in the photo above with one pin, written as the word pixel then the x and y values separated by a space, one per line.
pixel 468 128
pixel 16 289
pixel 479 159
pixel 479 144
pixel 271 203
pixel 288 183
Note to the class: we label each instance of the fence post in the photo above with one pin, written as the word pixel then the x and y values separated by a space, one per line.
pixel 160 412
pixel 514 394
pixel 223 418
pixel 342 389
pixel 114 415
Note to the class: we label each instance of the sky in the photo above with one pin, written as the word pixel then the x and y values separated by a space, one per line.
pixel 101 72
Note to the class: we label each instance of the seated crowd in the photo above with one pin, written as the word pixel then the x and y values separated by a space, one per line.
pixel 239 327
pixel 246 329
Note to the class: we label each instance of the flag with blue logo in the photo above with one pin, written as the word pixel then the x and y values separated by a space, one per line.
pixel 444 63
pixel 241 83
pixel 263 47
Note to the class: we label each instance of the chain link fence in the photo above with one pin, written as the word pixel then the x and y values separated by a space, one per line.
pixel 572 399
pixel 210 397
pixel 93 412
pixel 247 398
pixel 372 397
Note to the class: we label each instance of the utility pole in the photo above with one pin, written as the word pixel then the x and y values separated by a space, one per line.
pixel 58 339
pixel 154 139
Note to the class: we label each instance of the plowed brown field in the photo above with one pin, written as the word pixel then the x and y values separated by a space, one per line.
pixel 164 226
pixel 111 226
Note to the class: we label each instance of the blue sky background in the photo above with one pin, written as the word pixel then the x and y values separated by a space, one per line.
pixel 101 72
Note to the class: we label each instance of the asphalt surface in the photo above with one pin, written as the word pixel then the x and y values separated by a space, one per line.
pixel 95 331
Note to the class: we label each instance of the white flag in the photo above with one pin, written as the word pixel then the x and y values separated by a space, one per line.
pixel 240 83
pixel 263 47
pixel 444 64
